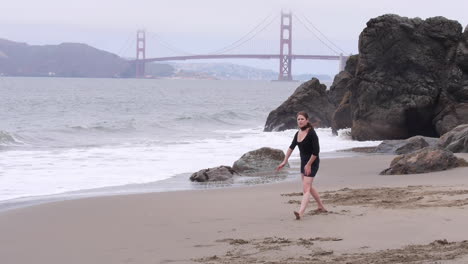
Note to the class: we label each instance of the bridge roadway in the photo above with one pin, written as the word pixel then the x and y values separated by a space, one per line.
pixel 244 56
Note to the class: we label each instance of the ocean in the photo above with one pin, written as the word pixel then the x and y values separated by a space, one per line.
pixel 62 136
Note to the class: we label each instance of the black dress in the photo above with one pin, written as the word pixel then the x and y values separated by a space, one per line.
pixel 307 147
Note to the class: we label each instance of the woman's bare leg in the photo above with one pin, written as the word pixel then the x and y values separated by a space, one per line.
pixel 316 196
pixel 306 187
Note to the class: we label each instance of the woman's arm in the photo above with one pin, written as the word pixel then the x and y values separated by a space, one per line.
pixel 308 166
pixel 288 152
pixel 311 160
pixel 286 158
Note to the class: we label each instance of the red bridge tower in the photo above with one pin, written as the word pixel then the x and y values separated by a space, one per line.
pixel 140 54
pixel 285 47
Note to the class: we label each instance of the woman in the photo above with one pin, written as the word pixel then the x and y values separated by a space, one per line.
pixel 309 148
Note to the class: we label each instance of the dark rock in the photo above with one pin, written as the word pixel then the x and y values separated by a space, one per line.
pixel 462 52
pixel 406 146
pixel 424 160
pixel 416 143
pixel 341 118
pixel 451 116
pixel 456 140
pixel 220 173
pixel 452 109
pixel 339 95
pixel 339 87
pixel 311 97
pixel 351 64
pixel 389 146
pixel 403 68
pixel 263 159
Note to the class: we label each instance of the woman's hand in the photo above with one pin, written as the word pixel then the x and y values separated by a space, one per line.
pixel 281 166
pixel 307 169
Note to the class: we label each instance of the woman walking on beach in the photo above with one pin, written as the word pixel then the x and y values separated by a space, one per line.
pixel 309 148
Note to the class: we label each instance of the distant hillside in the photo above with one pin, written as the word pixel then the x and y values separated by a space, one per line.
pixel 64 60
pixel 229 71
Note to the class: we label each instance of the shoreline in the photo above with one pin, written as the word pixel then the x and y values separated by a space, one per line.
pixel 180 181
pixel 370 217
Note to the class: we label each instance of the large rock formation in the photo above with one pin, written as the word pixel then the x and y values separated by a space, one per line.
pixel 456 140
pixel 263 159
pixel 411 78
pixel 311 97
pixel 424 160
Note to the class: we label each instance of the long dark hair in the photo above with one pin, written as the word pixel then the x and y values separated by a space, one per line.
pixel 304 114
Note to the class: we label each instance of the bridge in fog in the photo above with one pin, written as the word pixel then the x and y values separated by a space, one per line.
pixel 285 56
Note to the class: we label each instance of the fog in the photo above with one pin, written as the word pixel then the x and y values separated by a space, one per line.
pixel 199 27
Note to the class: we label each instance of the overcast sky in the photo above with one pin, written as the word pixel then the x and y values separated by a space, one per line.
pixel 203 26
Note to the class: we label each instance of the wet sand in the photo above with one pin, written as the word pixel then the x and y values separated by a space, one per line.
pixel 372 219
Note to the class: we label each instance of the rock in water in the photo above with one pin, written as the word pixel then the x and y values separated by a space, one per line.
pixel 339 86
pixel 263 159
pixel 220 173
pixel 339 95
pixel 424 160
pixel 311 97
pixel 455 140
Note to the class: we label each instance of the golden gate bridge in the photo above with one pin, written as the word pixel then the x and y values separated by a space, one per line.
pixel 285 55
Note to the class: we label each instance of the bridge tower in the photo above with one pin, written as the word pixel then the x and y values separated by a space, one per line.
pixel 285 47
pixel 140 54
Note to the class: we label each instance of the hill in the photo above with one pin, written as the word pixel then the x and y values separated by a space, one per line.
pixel 63 60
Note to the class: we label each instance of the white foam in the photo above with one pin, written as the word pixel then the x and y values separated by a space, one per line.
pixel 33 173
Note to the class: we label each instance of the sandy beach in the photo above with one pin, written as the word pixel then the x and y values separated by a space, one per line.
pixel 372 219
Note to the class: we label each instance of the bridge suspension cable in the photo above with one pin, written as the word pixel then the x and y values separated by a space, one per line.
pixel 168 45
pixel 320 32
pixel 317 37
pixel 127 44
pixel 246 37
pixel 266 22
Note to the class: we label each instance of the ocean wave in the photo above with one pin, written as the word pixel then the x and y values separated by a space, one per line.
pixel 109 128
pixel 8 139
pixel 233 115
pixel 222 117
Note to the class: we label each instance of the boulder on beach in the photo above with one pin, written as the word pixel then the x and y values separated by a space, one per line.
pixel 221 173
pixel 416 143
pixel 263 159
pixel 311 97
pixel 406 146
pixel 455 140
pixel 424 160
